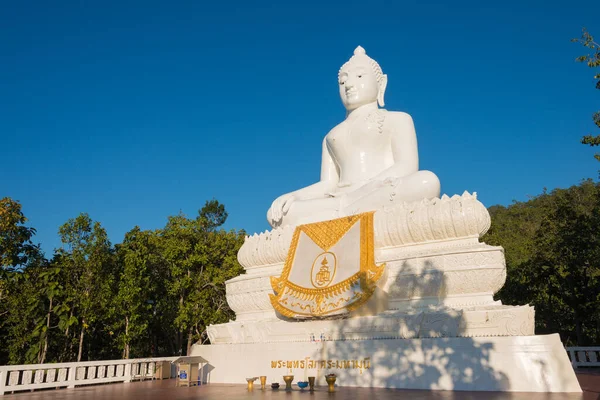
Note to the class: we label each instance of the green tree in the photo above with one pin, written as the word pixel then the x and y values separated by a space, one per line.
pixel 17 253
pixel 16 247
pixel 137 256
pixel 51 290
pixel 87 254
pixel 178 243
pixel 552 247
pixel 200 259
pixel 208 304
pixel 150 295
pixel 26 310
pixel 514 228
pixel 592 60
pixel 567 261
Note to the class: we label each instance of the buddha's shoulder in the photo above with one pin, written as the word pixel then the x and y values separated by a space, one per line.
pixel 396 116
pixel 387 120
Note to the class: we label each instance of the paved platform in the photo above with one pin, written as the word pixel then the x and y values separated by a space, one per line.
pixel 159 390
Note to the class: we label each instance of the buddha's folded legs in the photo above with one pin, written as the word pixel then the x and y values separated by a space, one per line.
pixel 378 194
pixel 372 196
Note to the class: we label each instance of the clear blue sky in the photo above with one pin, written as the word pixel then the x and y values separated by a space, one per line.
pixel 133 111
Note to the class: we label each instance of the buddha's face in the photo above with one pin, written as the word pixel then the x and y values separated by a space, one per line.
pixel 358 85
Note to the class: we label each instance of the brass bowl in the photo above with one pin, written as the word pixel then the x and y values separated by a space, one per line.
pixel 330 379
pixel 288 381
pixel 251 382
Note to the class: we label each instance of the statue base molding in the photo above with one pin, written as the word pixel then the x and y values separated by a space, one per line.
pixel 482 321
pixel 453 274
pixel 431 250
pixel 512 363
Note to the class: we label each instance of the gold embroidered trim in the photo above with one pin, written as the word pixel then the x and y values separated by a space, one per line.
pixel 327 233
pixel 310 294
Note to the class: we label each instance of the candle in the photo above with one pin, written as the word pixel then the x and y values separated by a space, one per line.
pixel 305 367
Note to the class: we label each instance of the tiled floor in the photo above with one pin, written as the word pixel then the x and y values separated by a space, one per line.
pixel 166 389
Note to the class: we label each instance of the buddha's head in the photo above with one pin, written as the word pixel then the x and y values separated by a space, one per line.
pixel 361 81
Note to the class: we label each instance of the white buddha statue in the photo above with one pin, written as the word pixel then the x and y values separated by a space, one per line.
pixel 369 160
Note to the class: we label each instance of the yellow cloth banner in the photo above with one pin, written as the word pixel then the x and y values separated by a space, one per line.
pixel 329 270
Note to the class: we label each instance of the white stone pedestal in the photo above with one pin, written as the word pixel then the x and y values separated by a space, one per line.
pixel 431 324
pixel 513 363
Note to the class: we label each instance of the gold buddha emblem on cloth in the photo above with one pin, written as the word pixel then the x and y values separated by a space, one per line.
pixel 329 270
pixel 323 276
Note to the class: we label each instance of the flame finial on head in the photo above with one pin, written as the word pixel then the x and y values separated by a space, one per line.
pixel 359 50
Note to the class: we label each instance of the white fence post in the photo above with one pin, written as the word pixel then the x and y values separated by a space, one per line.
pixel 71 376
pixel 3 375
pixel 128 371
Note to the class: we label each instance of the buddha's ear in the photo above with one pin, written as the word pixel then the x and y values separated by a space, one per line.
pixel 382 86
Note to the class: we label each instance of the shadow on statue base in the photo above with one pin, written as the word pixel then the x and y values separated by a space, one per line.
pixel 516 363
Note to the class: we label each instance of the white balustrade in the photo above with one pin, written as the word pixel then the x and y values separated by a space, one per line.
pixel 143 370
pixel 584 356
pixel 15 378
pixel 51 373
pixel 62 375
pixel 39 376
pixel 26 378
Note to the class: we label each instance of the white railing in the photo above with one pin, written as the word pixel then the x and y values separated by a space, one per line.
pixel 584 356
pixel 42 376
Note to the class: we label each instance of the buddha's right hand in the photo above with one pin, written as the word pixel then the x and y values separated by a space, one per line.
pixel 281 206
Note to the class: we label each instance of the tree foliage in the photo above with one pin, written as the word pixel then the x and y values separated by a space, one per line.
pixel 153 294
pixel 552 246
pixel 16 247
pixel 592 59
pixel 87 257
pixel 19 257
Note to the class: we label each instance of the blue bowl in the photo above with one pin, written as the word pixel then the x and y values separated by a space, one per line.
pixel 302 385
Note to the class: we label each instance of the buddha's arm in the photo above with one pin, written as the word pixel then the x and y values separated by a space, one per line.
pixel 329 178
pixel 404 146
pixel 329 172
